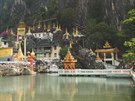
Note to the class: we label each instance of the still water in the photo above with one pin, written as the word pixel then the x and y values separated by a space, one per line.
pixel 50 87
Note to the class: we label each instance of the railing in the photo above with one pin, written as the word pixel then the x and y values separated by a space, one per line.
pixel 13 62
pixel 94 72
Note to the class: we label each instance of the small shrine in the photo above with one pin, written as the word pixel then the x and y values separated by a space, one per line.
pixel 69 61
pixel 107 54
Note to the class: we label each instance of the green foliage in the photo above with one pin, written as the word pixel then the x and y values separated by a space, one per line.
pixel 129 56
pixel 131 17
pixel 98 33
pixel 66 17
pixel 129 30
pixel 129 24
pixel 63 52
pixel 52 8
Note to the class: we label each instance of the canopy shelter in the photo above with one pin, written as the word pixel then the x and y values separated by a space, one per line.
pixel 107 54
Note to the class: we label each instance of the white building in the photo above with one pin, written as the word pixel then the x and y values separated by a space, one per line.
pixel 3 43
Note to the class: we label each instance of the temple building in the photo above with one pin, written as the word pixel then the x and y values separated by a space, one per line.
pixel 47 50
pixel 40 39
pixel 107 54
pixel 69 61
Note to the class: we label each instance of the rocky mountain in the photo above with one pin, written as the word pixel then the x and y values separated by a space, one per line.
pixel 112 11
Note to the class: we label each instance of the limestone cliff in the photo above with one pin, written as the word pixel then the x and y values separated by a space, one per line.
pixel 112 11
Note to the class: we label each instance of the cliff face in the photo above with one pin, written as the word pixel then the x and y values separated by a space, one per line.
pixel 112 11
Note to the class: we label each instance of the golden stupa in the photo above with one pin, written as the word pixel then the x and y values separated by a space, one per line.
pixel 58 27
pixel 69 61
pixel 20 55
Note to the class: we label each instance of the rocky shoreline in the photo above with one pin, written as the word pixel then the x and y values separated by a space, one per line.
pixel 15 69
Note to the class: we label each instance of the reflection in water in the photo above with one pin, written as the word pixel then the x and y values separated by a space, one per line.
pixel 43 87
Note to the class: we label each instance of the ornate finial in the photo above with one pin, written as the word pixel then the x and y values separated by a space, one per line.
pixel 73 32
pixel 71 44
pixel 107 45
pixel 39 25
pixel 76 32
pixel 29 31
pixel 59 27
pixel 12 32
pixel 67 34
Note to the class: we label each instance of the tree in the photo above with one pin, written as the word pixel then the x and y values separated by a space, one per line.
pixel 98 33
pixel 129 56
pixel 129 22
pixel 66 17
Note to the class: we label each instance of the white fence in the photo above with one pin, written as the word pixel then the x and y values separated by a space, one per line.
pixel 94 72
pixel 14 62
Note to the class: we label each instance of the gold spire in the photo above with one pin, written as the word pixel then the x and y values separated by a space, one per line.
pixel 67 34
pixel 12 32
pixel 70 44
pixel 59 27
pixel 76 32
pixel 39 25
pixel 20 55
pixel 107 45
pixel 29 31
pixel 73 32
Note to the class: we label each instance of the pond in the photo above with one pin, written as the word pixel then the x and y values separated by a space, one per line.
pixel 51 87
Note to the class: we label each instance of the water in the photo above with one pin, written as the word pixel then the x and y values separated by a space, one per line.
pixel 45 87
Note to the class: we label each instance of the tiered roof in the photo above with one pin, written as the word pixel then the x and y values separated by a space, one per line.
pixel 107 48
pixel 69 58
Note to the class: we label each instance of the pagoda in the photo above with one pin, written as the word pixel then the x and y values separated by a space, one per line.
pixel 69 61
pixel 20 55
pixel 107 54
